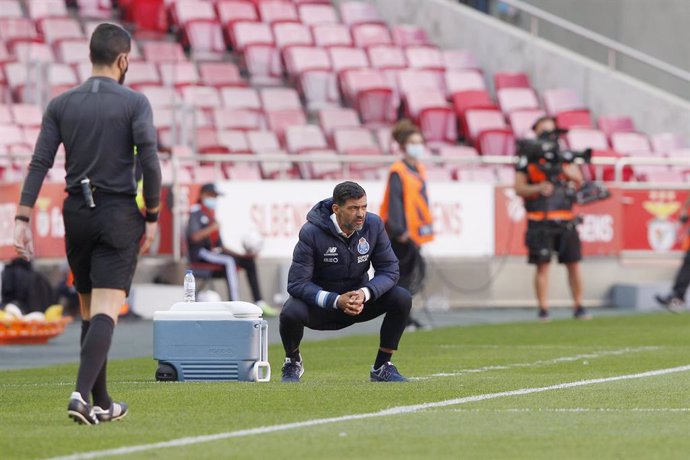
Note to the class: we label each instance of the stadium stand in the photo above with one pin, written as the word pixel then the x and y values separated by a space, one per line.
pixel 286 77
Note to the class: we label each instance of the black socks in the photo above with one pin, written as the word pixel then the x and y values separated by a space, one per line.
pixel 382 358
pixel 294 356
pixel 96 336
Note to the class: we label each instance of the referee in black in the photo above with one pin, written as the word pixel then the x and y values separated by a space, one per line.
pixel 100 123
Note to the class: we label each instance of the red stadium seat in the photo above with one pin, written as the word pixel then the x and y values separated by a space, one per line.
pixel 246 119
pixel 511 80
pixel 299 59
pixel 327 35
pixel 610 124
pixel 321 169
pixel 511 99
pixel 425 57
pixel 574 119
pixel 263 141
pixel 157 51
pixel 27 52
pixel 205 38
pixel 243 171
pixel 160 96
pixel 317 13
pixel 203 97
pixel 365 35
pixel 473 99
pixel 292 34
pixel 231 11
pixel 42 9
pixel 280 120
pixel 178 73
pixel 241 98
pixel 263 64
pixel 344 59
pixel 333 119
pixel 14 30
pixel 12 135
pixel 480 120
pixel 57 29
pixel 667 142
pixel 220 74
pixel 582 138
pixel 142 73
pixel 27 115
pixel 369 92
pixel 562 100
pixel 410 35
pixel 355 141
pixel 423 98
pixel 280 99
pixel 299 139
pixel 95 8
pixel 387 57
pixel 149 15
pixel 6 116
pixel 234 140
pixel 415 80
pixel 607 172
pixel 496 142
pixel 631 143
pixel 73 51
pixel 11 9
pixel 459 59
pixel 353 13
pixel 250 33
pixel 272 11
pixel 463 80
pixel 438 125
pixel 521 122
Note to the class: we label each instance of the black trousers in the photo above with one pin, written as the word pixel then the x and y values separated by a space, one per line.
pixel 296 315
pixel 682 281
pixel 412 265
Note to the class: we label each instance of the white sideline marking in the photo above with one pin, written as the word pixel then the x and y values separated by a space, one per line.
pixel 562 359
pixel 384 413
pixel 576 410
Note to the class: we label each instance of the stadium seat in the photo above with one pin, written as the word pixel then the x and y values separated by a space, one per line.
pixel 11 9
pixel 148 15
pixel 610 124
pixel 410 35
pixel 280 99
pixel 521 122
pixel 667 142
pixel 607 172
pixel 234 140
pixel 291 34
pixel 480 120
pixel 458 59
pixel 365 35
pixel 204 39
pixel 95 8
pixel 353 12
pixel 279 120
pixel 317 13
pixel 562 100
pixel 246 119
pixel 336 118
pixel 355 141
pixel 27 115
pixel 243 171
pixel 318 170
pixel 241 98
pixel 496 142
pixel 423 98
pixel 581 138
pixel 299 59
pixel 157 51
pixel 73 51
pixel 463 80
pixel 415 80
pixel 264 65
pixel 472 99
pixel 425 57
pixel 511 80
pixel 272 11
pixel 344 59
pixel 631 143
pixel 511 99
pixel 574 119
pixel 327 35
pixel 27 52
pixel 281 169
pixel 203 97
pixel 6 115
pixel 142 73
pixel 57 29
pixel 368 91
pixel 387 57
pixel 160 96
pixel 231 11
pixel 13 30
pixel 39 10
pixel 220 74
pixel 263 141
pixel 250 33
pixel 179 74
pixel 438 125
pixel 299 139
pixel 12 135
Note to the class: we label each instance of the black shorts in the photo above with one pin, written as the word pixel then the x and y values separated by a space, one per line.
pixel 543 238
pixel 102 243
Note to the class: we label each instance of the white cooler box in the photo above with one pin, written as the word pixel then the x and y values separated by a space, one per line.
pixel 211 341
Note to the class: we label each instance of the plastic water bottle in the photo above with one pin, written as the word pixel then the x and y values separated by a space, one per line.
pixel 189 287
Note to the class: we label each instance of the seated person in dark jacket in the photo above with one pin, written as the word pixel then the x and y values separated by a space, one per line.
pixel 329 285
pixel 205 245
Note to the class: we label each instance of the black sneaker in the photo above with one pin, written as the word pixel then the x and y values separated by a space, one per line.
pixel 292 370
pixel 581 313
pixel 543 315
pixel 670 302
pixel 386 373
pixel 79 411
pixel 117 411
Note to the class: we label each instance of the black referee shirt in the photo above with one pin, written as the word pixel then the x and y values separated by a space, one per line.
pixel 99 122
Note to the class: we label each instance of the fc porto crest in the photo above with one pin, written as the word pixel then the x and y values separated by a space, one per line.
pixel 363 246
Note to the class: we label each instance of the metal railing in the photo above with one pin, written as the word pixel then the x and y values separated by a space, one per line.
pixel 613 47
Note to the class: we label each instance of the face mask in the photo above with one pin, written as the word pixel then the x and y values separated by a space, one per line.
pixel 415 150
pixel 208 202
pixel 548 135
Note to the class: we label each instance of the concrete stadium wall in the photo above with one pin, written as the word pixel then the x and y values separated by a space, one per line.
pixel 499 46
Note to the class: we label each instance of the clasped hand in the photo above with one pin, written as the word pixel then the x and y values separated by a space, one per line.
pixel 351 302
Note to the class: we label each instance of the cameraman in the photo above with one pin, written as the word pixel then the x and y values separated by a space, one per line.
pixel 548 192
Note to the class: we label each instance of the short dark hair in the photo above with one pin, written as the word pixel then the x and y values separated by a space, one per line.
pixel 541 120
pixel 107 43
pixel 346 191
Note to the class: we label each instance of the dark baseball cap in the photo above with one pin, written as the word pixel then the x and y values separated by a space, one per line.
pixel 210 189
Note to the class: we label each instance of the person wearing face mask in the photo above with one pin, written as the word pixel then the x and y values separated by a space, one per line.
pixel 205 245
pixel 100 123
pixel 551 225
pixel 405 209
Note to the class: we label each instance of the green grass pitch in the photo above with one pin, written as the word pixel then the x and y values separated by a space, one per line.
pixel 643 418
